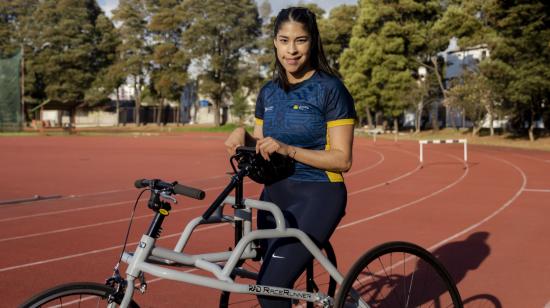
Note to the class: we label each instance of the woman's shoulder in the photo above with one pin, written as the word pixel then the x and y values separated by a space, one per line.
pixel 329 82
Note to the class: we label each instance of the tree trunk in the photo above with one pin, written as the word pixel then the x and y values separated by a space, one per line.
pixel 532 126
pixel 159 115
pixel 369 117
pixel 117 107
pixel 491 125
pixel 72 120
pixel 395 125
pixel 137 98
pixel 435 119
pixel 475 129
pixel 216 110
pixel 419 109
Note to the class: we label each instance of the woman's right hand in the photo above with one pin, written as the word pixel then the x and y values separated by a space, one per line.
pixel 235 140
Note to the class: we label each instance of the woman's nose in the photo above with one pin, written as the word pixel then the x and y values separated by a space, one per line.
pixel 292 48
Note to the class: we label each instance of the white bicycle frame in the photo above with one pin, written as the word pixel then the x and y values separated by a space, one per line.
pixel 147 256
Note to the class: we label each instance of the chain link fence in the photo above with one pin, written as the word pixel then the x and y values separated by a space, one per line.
pixel 10 94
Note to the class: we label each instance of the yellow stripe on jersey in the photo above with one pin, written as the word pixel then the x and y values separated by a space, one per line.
pixel 333 176
pixel 259 122
pixel 340 122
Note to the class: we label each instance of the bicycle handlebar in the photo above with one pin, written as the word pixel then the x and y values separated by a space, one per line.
pixel 173 187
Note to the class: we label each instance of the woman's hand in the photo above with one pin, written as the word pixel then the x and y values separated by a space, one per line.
pixel 267 146
pixel 235 140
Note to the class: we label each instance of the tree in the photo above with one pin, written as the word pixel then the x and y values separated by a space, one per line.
pixel 240 108
pixel 169 59
pixel 524 32
pixel 13 17
pixel 517 34
pixel 336 32
pixel 384 49
pixel 134 51
pixel 71 46
pixel 472 93
pixel 219 35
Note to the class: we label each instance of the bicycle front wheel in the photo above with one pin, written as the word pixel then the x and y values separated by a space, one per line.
pixel 76 294
pixel 398 274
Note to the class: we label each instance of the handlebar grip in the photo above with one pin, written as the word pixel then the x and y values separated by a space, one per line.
pixel 189 192
pixel 141 183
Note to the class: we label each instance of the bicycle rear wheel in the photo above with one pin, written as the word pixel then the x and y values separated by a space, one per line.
pixel 398 274
pixel 76 294
pixel 314 279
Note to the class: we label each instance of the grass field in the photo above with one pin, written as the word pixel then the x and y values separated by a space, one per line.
pixel 504 140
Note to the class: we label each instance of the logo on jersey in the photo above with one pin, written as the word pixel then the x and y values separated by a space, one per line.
pixel 270 108
pixel 300 107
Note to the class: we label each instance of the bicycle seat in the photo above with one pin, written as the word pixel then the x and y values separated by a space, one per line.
pixel 263 171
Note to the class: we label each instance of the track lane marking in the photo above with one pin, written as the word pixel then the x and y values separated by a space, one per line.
pixel 384 213
pixel 177 234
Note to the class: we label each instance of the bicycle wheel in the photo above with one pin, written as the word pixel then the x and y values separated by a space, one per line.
pixel 314 279
pixel 76 294
pixel 398 274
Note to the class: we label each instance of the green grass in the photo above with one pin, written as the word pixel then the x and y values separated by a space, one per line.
pixel 131 130
pixel 502 140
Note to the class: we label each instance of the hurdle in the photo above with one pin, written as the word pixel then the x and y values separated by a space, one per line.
pixel 444 141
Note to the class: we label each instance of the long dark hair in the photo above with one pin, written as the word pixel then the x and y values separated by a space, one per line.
pixel 317 58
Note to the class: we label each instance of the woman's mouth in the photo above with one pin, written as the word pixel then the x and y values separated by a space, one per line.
pixel 291 61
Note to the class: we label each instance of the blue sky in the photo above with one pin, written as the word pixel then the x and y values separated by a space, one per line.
pixel 276 5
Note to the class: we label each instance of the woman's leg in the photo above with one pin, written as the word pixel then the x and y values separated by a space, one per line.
pixel 316 209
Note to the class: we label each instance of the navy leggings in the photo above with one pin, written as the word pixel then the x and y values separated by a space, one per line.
pixel 313 207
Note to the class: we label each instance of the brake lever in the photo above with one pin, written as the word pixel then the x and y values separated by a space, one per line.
pixel 165 195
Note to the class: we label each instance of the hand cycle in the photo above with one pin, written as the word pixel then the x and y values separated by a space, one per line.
pixel 382 277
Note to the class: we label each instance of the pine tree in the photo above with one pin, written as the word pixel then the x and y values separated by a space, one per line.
pixel 385 47
pixel 218 35
pixel 169 59
pixel 134 51
pixel 336 32
pixel 71 46
pixel 13 18
pixel 517 34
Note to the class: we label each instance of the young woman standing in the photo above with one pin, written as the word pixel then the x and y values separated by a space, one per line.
pixel 305 113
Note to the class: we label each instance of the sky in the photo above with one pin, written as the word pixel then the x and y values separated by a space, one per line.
pixel 276 5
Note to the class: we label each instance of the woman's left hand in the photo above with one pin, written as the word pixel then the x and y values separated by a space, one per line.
pixel 267 146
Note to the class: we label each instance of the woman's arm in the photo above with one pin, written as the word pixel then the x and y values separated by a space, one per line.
pixel 239 137
pixel 337 158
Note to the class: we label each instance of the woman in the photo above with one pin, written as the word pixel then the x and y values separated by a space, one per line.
pixel 305 113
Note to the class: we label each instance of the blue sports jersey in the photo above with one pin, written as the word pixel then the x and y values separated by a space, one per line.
pixel 301 117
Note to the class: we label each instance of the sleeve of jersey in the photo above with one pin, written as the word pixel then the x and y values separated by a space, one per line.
pixel 259 112
pixel 340 107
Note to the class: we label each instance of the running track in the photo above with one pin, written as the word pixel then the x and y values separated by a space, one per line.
pixel 487 220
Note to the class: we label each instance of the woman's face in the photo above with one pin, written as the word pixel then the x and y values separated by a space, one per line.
pixel 293 44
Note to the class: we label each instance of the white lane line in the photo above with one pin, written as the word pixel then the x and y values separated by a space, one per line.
pixel 178 234
pixel 96 251
pixel 67 211
pixel 89 207
pixel 537 190
pixel 467 170
pixel 380 160
pixel 73 196
pixel 138 217
pixel 93 225
pixel 492 215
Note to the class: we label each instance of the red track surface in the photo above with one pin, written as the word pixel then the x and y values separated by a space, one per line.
pixel 486 222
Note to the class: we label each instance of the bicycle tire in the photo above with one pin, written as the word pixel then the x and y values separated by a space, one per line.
pixel 309 282
pixel 374 279
pixel 74 292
